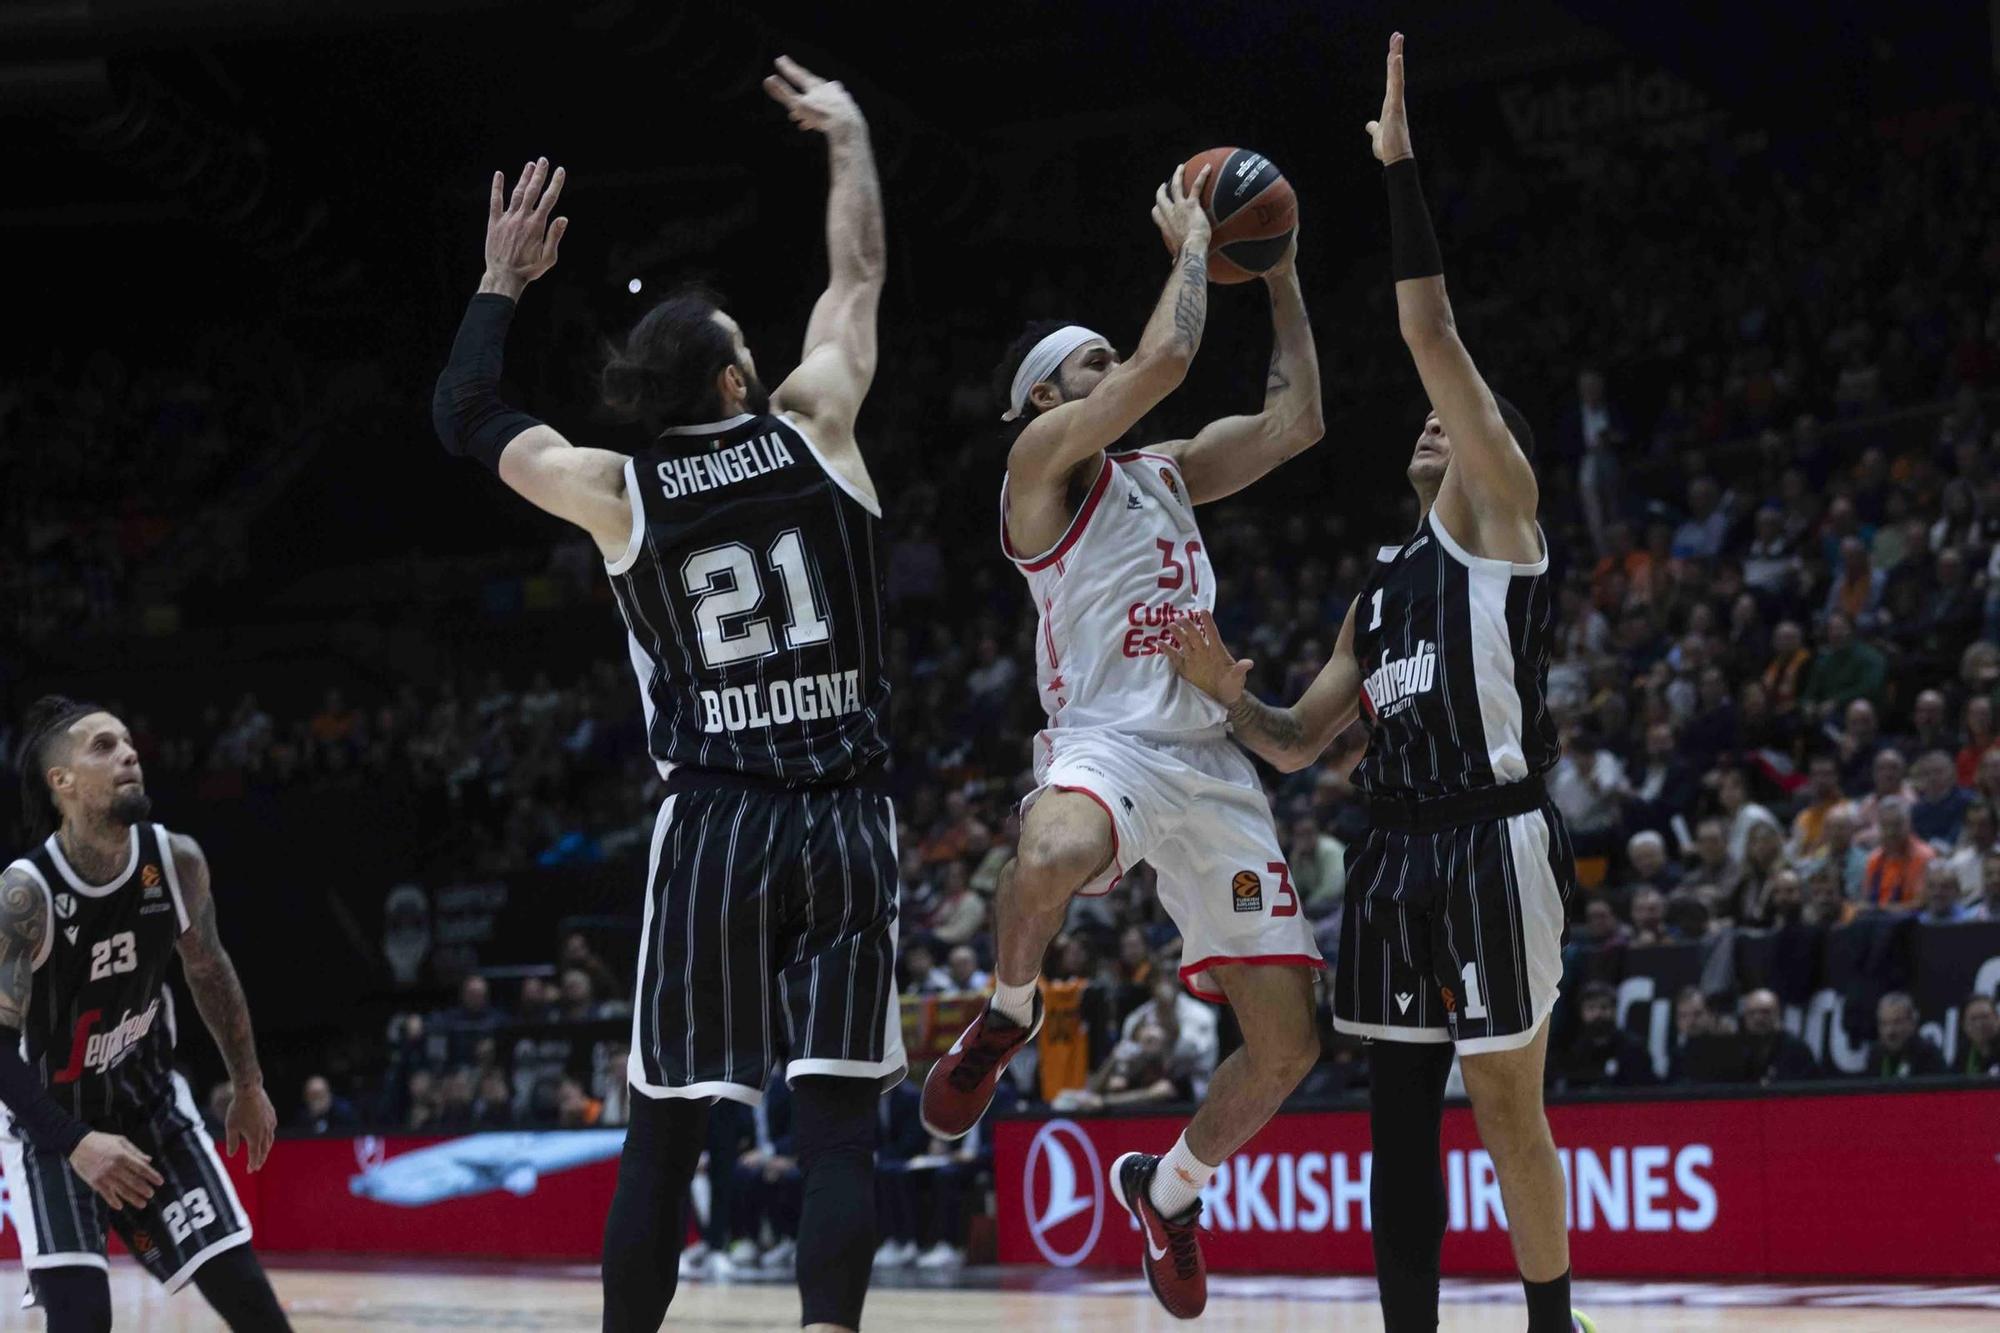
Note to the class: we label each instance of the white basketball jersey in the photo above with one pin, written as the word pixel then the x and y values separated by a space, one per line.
pixel 1131 562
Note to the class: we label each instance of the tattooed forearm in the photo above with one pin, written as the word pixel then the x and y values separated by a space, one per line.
pixel 1191 304
pixel 1269 731
pixel 24 924
pixel 211 976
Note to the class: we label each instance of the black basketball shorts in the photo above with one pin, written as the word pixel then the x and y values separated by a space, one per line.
pixel 191 1218
pixel 770 934
pixel 1455 935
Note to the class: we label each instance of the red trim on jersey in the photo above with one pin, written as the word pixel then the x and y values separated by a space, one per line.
pixel 1106 806
pixel 1070 535
pixel 1189 972
pixel 1168 459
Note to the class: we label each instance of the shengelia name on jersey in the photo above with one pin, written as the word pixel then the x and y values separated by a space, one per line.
pixel 804 699
pixel 724 467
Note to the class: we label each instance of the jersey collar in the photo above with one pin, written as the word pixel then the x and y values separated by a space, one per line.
pixel 76 881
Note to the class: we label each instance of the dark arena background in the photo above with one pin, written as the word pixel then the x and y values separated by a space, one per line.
pixel 1738 265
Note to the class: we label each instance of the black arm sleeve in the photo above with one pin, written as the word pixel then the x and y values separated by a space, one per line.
pixel 1413 246
pixel 36 1114
pixel 466 410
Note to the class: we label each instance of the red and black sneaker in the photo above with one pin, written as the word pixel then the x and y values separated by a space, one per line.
pixel 960 1086
pixel 1173 1247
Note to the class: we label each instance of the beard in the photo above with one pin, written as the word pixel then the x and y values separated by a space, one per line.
pixel 131 805
pixel 756 398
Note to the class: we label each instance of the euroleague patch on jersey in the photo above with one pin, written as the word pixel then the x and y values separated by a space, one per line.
pixel 1173 486
pixel 149 876
pixel 1248 891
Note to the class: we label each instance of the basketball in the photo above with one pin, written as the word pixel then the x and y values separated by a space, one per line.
pixel 1252 209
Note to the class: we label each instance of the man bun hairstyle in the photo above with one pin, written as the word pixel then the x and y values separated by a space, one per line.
pixel 1010 361
pixel 47 718
pixel 664 375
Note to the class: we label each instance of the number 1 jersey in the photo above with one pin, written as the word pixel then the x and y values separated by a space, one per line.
pixel 752 596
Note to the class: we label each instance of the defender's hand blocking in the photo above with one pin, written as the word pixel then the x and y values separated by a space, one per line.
pixel 252 1122
pixel 1391 134
pixel 813 103
pixel 111 1165
pixel 520 240
pixel 1200 657
pixel 1178 212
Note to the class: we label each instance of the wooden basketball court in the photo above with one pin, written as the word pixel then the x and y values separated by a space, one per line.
pixel 395 1298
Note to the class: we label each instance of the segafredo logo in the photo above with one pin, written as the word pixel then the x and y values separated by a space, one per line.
pixel 1063 1184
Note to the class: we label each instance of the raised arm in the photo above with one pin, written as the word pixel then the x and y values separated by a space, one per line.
pixel 1067 433
pixel 218 995
pixel 584 486
pixel 1229 454
pixel 1286 738
pixel 1487 465
pixel 838 362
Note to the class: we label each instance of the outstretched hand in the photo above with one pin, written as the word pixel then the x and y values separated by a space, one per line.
pixel 1195 648
pixel 1178 210
pixel 814 103
pixel 1390 135
pixel 520 240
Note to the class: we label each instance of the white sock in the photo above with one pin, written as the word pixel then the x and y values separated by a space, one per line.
pixel 1179 1180
pixel 1016 1004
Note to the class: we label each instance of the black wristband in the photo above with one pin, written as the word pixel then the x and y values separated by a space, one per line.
pixel 466 410
pixel 1413 246
pixel 36 1116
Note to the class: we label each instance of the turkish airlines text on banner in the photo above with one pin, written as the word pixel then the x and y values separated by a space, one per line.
pixel 1864 1184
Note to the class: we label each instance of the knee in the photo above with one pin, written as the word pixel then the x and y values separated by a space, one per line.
pixel 1054 862
pixel 1286 1056
pixel 1509 1114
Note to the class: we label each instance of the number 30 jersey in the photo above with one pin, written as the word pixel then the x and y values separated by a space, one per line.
pixel 752 595
pixel 1130 563
pixel 100 1025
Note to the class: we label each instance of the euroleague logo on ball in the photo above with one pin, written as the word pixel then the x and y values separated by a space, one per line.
pixel 1063 1184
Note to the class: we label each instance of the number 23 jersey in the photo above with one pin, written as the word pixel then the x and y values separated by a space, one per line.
pixel 1454 657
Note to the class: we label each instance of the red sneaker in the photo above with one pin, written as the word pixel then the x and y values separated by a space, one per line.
pixel 960 1085
pixel 1173 1265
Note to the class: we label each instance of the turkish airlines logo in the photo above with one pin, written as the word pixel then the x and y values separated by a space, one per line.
pixel 1063 1184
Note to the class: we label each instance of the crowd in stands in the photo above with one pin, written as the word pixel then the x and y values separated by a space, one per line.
pixel 1777 675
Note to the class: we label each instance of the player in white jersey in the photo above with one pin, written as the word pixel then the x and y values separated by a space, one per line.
pixel 1136 765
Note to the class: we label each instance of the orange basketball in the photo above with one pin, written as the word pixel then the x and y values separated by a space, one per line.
pixel 1251 208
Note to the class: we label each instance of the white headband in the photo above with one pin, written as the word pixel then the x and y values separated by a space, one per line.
pixel 1041 361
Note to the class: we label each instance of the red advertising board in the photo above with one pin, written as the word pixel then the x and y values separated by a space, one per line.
pixel 1877 1185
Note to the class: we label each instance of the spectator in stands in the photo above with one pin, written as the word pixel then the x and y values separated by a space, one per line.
pixel 493 1103
pixel 1888 780
pixel 1069 1014
pixel 1774 1055
pixel 1713 867
pixel 473 1018
pixel 767 1185
pixel 1827 903
pixel 1844 671
pixel 1743 814
pixel 1134 972
pixel 421 1097
pixel 1701 536
pixel 958 913
pixel 1841 849
pixel 455 1096
pixel 986 874
pixel 1856 744
pixel 920 973
pixel 1856 591
pixel 1601 927
pixel 962 965
pixel 1602 1054
pixel 538 1000
pixel 1979 738
pixel 1821 796
pixel 1899 1050
pixel 1979 1020
pixel 1649 918
pixel 1928 728
pixel 955 834
pixel 1786 672
pixel 575 1107
pixel 1763 865
pixel 1666 784
pixel 322 1113
pixel 902 1139
pixel 579 1002
pixel 1319 867
pixel 1894 877
pixel 1197 1038
pixel 1692 1018
pixel 1942 904
pixel 1938 812
pixel 1646 851
pixel 1978 839
pixel 577 953
pixel 1588 786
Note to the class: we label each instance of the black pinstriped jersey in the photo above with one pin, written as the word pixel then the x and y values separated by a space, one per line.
pixel 752 597
pixel 100 1025
pixel 1454 655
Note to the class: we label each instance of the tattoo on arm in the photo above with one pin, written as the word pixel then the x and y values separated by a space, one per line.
pixel 1191 305
pixel 211 977
pixel 24 924
pixel 1256 721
